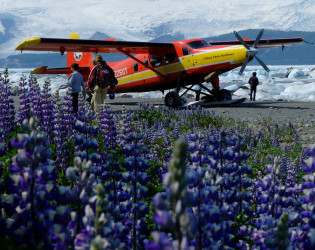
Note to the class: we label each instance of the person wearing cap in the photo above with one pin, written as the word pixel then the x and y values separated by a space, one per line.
pixel 75 81
pixel 89 89
pixel 99 92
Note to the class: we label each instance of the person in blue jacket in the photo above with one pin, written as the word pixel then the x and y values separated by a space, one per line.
pixel 198 91
pixel 75 81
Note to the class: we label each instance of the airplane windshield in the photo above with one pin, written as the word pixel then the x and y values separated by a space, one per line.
pixel 198 44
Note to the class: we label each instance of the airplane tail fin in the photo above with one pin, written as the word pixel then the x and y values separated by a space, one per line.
pixel 84 59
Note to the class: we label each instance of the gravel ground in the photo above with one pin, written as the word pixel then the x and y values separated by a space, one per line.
pixel 300 114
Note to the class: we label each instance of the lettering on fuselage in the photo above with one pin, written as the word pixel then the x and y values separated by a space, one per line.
pixel 121 72
pixel 217 56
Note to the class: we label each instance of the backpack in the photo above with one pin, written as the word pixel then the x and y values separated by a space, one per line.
pixel 105 76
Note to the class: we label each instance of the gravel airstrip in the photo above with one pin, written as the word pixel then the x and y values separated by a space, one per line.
pixel 300 114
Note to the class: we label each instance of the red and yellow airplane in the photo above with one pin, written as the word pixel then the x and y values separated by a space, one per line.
pixel 159 66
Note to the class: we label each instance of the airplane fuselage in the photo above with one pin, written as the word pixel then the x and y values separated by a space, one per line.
pixel 194 62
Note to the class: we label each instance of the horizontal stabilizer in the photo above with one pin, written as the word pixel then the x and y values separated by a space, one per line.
pixel 43 70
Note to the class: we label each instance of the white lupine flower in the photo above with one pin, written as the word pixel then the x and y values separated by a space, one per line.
pixel 24 195
pixel 73 215
pixel 178 207
pixel 70 174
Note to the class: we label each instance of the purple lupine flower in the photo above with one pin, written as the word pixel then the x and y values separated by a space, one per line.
pixel 84 138
pixel 48 110
pixel 283 169
pixel 308 187
pixel 84 182
pixel 63 130
pixel 106 230
pixel 275 140
pixel 177 218
pixel 7 110
pixel 32 192
pixel 25 103
pixel 35 98
pixel 2 144
pixel 136 165
pixel 3 219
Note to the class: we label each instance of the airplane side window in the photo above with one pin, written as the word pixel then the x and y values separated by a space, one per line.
pixel 185 51
pixel 170 58
pixel 145 62
pixel 135 67
pixel 156 61
pixel 199 44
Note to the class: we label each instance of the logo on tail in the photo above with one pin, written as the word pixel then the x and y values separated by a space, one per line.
pixel 78 56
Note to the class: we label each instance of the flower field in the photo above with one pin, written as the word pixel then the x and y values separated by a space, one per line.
pixel 151 178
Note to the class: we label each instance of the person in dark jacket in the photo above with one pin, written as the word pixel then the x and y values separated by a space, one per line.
pixel 89 89
pixel 93 84
pixel 253 82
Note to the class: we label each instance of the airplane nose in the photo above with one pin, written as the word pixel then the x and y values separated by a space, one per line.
pixel 251 52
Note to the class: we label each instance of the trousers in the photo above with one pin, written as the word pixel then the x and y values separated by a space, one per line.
pixel 252 93
pixel 98 98
pixel 75 102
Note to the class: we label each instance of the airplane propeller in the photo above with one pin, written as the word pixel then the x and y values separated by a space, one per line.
pixel 251 51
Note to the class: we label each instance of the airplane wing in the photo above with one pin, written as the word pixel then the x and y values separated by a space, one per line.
pixel 94 46
pixel 263 43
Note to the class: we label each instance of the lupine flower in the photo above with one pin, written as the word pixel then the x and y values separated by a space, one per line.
pixel 136 165
pixel 25 106
pixel 48 110
pixel 63 130
pixel 35 98
pixel 7 109
pixel 101 197
pixel 31 191
pixel 172 209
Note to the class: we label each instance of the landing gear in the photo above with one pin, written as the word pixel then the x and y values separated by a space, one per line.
pixel 217 96
pixel 225 94
pixel 172 99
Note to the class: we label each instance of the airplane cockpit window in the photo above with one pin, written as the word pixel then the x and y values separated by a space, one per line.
pixel 156 61
pixel 199 44
pixel 135 67
pixel 170 58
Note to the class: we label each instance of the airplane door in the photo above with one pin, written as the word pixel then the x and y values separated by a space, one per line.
pixel 188 59
pixel 195 61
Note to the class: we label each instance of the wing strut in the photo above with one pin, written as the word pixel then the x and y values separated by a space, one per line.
pixel 145 65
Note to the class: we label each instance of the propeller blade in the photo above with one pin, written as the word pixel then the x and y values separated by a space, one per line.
pixel 241 40
pixel 258 38
pixel 251 52
pixel 243 66
pixel 262 63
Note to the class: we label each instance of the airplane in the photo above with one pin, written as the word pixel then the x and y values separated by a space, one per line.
pixel 155 66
